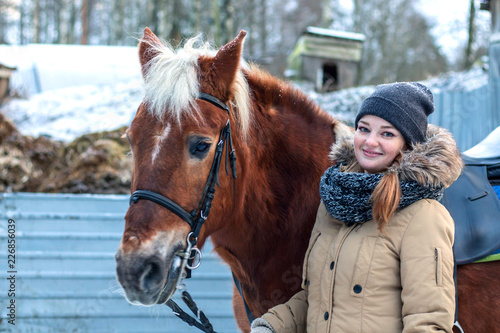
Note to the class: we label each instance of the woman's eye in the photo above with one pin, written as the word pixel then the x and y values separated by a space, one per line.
pixel 362 129
pixel 388 134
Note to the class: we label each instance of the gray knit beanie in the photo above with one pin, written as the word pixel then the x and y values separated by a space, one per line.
pixel 405 105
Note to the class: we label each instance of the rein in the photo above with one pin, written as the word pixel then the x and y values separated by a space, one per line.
pixel 197 217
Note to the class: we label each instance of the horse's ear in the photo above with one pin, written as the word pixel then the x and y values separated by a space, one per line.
pixel 227 61
pixel 147 50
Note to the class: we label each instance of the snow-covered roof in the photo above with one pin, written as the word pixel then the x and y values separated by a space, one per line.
pixel 335 33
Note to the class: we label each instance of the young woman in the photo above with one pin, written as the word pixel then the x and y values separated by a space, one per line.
pixel 380 255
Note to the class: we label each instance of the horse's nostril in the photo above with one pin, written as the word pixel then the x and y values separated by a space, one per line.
pixel 152 276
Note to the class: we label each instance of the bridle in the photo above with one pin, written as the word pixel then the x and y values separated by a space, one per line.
pixel 198 216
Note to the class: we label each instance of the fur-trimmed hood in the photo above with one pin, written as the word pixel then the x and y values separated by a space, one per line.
pixel 433 162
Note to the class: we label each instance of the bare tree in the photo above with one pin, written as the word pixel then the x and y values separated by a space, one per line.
pixel 395 54
pixel 196 20
pixel 226 23
pixel 154 19
pixel 251 26
pixel 263 27
pixel 57 12
pixel 142 17
pixel 22 17
pixel 175 17
pixel 84 15
pixel 4 20
pixel 217 20
pixel 71 37
pixel 326 17
pixel 118 21
pixel 36 21
pixel 470 41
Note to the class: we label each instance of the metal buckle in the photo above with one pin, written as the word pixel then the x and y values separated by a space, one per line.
pixel 185 256
pixel 196 263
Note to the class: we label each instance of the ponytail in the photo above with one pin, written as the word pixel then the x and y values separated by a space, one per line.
pixel 385 199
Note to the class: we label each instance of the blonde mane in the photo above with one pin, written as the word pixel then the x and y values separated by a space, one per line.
pixel 171 83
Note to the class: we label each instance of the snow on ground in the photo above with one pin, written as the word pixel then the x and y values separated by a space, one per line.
pixel 64 114
pixel 67 113
pixel 70 90
pixel 342 104
pixel 459 81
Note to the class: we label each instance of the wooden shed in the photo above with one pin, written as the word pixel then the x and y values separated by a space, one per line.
pixel 5 73
pixel 328 58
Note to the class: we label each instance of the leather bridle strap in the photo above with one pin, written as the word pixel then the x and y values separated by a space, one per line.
pixel 163 201
pixel 213 100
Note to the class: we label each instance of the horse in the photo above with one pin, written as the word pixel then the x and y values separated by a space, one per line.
pixel 262 211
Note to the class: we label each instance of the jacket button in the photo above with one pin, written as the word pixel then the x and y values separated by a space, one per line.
pixel 326 315
pixel 332 265
pixel 357 289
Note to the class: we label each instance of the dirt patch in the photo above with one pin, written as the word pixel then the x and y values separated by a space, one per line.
pixel 92 163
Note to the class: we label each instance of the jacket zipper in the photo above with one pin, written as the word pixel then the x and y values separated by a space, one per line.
pixel 439 275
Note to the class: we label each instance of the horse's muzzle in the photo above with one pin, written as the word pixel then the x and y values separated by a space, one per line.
pixel 148 279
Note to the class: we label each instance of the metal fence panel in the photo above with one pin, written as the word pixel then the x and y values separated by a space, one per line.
pixel 469 115
pixel 65 270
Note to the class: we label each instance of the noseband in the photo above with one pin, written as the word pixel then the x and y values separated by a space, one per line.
pixel 197 217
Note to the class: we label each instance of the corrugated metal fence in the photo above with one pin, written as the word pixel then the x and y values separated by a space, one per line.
pixel 469 115
pixel 65 270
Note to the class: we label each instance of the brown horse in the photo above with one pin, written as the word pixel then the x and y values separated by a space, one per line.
pixel 261 226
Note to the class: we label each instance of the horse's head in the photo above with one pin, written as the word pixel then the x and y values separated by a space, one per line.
pixel 174 138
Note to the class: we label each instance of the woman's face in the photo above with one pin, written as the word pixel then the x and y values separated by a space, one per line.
pixel 376 143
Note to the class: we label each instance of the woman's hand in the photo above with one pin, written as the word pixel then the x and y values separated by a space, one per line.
pixel 261 325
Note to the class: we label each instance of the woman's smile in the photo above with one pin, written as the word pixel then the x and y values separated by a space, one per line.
pixel 370 153
pixel 376 144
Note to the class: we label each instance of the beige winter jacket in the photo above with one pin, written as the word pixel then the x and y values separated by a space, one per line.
pixel 357 279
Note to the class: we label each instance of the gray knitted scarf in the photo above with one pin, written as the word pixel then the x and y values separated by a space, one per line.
pixel 346 194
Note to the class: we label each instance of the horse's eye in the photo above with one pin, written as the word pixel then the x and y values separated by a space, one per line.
pixel 202 146
pixel 199 148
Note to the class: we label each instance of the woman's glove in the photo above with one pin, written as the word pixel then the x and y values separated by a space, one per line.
pixel 261 325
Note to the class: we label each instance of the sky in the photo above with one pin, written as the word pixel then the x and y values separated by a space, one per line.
pixel 450 18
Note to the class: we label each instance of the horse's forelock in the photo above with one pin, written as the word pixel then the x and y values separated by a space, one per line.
pixel 171 82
